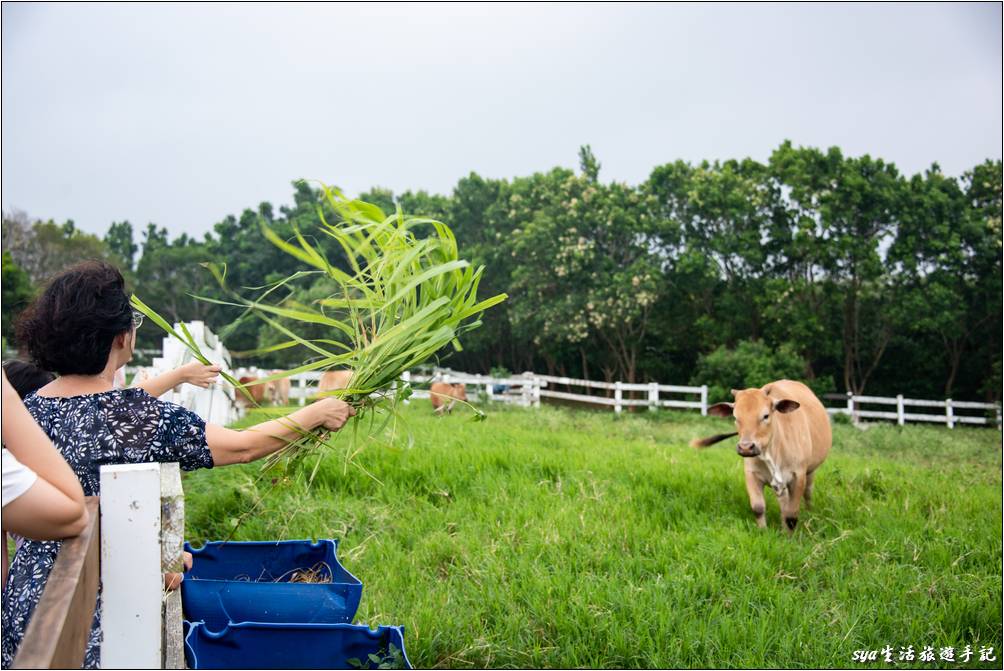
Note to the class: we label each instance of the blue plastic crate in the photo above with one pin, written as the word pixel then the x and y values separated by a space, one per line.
pixel 269 645
pixel 249 582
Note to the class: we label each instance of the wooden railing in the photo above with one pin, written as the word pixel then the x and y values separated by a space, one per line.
pixel 56 637
pixel 134 535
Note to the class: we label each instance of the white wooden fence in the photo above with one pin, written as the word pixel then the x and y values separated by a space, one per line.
pixel 949 414
pixel 134 535
pixel 651 394
pixel 527 389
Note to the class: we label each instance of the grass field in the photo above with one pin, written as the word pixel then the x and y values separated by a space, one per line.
pixel 562 538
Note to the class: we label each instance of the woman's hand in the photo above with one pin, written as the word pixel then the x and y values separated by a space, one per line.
pixel 333 413
pixel 173 580
pixel 198 374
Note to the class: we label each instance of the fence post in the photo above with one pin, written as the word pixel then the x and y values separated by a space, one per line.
pixel 131 579
pixel 406 377
pixel 850 406
pixel 301 384
pixel 527 389
pixel 900 419
pixel 653 395
pixel 704 400
pixel 172 535
pixel 618 396
pixel 949 414
pixel 536 391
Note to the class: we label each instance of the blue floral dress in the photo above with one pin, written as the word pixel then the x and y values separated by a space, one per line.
pixel 123 426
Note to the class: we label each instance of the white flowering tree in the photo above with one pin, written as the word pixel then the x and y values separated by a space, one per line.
pixel 587 276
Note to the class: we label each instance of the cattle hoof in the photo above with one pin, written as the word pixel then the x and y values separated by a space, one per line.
pixel 791 523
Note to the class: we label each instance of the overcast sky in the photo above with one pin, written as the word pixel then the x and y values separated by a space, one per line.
pixel 182 114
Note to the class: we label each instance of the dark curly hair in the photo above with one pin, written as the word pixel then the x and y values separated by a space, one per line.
pixel 70 326
pixel 26 378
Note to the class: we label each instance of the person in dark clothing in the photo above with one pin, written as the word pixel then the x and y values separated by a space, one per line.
pixel 25 377
pixel 82 328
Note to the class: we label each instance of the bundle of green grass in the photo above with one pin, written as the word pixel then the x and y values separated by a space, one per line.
pixel 402 295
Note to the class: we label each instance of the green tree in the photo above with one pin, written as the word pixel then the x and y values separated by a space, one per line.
pixel 119 240
pixel 588 165
pixel 846 209
pixel 43 248
pixel 17 291
pixel 586 273
pixel 752 363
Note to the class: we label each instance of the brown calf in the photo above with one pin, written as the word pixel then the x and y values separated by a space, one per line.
pixel 279 389
pixel 334 379
pixel 259 392
pixel 440 393
pixel 784 435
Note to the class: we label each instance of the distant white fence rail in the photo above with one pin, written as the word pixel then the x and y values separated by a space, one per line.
pixel 651 397
pixel 949 415
pixel 527 390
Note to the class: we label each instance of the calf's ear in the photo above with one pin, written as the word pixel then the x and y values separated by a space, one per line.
pixel 786 405
pixel 721 410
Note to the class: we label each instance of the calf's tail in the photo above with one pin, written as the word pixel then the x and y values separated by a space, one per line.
pixel 711 440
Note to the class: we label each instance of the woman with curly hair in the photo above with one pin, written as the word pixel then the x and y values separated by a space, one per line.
pixel 82 328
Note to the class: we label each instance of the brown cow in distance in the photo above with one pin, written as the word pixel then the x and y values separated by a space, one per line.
pixel 259 392
pixel 784 435
pixel 441 392
pixel 279 389
pixel 334 379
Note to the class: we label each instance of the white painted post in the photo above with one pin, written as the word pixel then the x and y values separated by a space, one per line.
pixel 536 392
pixel 301 384
pixel 653 395
pixel 406 377
pixel 527 390
pixel 618 394
pixel 488 390
pixel 949 414
pixel 850 405
pixel 900 419
pixel 131 578
pixel 704 400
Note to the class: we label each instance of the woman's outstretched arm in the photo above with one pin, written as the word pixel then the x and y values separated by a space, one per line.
pixel 229 446
pixel 193 373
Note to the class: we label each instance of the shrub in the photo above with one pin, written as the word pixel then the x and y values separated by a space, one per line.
pixel 752 363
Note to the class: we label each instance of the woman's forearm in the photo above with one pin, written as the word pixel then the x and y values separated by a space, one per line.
pixel 160 385
pixel 231 447
pixel 45 513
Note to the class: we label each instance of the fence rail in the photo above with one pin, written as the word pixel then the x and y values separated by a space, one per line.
pixel 527 389
pixel 949 417
pixel 652 398
pixel 56 637
pixel 134 534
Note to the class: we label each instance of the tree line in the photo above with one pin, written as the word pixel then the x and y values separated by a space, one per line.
pixel 833 269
